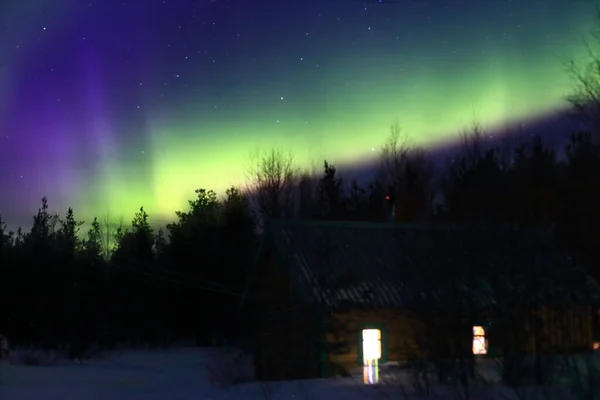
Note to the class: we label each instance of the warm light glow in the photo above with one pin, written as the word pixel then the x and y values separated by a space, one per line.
pixel 371 373
pixel 371 347
pixel 480 344
pixel 596 345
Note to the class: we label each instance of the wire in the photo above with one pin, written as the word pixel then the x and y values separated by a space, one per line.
pixel 182 276
pixel 178 282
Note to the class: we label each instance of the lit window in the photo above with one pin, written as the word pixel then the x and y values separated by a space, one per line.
pixel 371 349
pixel 480 343
pixel 371 345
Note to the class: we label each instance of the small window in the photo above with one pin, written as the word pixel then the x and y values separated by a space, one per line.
pixel 480 343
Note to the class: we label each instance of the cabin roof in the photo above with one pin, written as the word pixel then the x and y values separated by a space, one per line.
pixel 372 265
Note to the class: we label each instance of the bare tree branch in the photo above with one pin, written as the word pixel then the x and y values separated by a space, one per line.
pixel 271 176
pixel 585 95
pixel 394 154
pixel 111 230
pixel 472 143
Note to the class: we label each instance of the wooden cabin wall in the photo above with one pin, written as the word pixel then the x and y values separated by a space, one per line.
pixel 559 330
pixel 546 331
pixel 399 331
pixel 567 329
pixel 286 332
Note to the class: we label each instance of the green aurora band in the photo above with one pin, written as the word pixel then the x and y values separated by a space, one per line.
pixel 436 73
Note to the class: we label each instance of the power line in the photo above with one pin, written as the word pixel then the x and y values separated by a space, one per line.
pixel 177 282
pixel 204 282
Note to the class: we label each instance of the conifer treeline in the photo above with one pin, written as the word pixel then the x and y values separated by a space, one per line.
pixel 123 282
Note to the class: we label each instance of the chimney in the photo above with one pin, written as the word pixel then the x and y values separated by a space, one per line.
pixel 390 205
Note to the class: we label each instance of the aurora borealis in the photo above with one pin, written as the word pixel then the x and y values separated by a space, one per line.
pixel 109 105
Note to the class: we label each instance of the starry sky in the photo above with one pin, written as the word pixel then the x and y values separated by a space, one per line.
pixel 109 105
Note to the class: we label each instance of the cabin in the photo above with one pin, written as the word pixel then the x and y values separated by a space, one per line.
pixel 326 298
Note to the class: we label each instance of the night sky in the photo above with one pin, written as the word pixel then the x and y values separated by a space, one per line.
pixel 109 105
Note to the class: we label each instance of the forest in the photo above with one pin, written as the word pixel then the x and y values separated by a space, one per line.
pixel 129 283
pixel 66 286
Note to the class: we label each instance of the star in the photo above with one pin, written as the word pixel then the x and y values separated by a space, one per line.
pixel 99 79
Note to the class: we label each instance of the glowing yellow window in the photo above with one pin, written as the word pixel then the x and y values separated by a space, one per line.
pixel 371 350
pixel 371 345
pixel 480 343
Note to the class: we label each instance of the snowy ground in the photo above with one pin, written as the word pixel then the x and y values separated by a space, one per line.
pixel 178 374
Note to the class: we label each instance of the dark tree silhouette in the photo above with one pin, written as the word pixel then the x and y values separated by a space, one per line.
pixel 579 213
pixel 414 188
pixel 193 236
pixel 307 196
pixel 534 184
pixel 67 236
pixel 585 92
pixel 357 202
pixel 5 238
pixel 330 193
pixel 92 245
pixel 161 246
pixel 138 242
pixel 271 181
pixel 238 231
pixel 475 188
pixel 115 282
pixel 393 155
pixel 407 173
